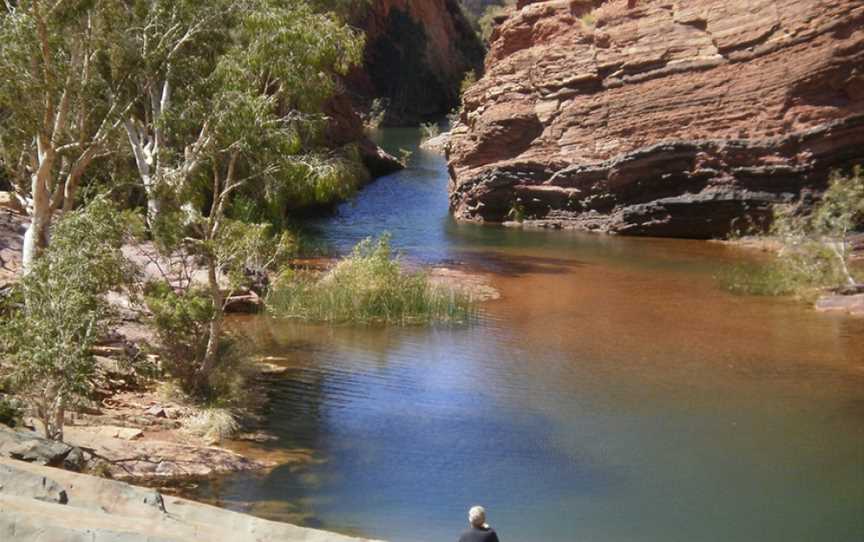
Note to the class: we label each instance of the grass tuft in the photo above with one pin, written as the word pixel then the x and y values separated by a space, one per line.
pixel 214 424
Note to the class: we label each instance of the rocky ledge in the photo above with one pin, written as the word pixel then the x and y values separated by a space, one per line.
pixel 42 503
pixel 665 118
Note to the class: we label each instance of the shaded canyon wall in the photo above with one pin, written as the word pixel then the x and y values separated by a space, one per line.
pixel 417 53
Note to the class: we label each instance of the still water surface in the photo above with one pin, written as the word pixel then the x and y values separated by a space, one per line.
pixel 614 393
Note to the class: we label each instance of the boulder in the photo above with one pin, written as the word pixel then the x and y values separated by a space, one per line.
pixel 245 303
pixel 30 447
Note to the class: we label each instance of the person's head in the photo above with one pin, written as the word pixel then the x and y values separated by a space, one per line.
pixel 477 517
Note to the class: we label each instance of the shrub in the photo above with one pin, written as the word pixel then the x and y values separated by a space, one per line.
pixel 10 412
pixel 430 130
pixel 487 20
pixel 815 247
pixel 368 286
pixel 47 339
pixel 214 424
pixel 377 114
pixel 180 320
pixel 469 79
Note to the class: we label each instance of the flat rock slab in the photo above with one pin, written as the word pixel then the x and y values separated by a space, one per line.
pixel 113 431
pixel 106 510
pixel 150 459
pixel 22 483
pixel 850 304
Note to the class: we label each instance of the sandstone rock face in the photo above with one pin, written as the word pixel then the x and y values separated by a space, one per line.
pixel 669 118
pixel 417 53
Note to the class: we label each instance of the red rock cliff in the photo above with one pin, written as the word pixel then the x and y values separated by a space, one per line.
pixel 660 117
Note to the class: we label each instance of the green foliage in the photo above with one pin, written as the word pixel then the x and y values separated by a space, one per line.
pixel 46 342
pixel 492 12
pixel 468 81
pixel 405 156
pixel 816 246
pixel 776 279
pixel 517 211
pixel 247 147
pixel 180 320
pixel 348 10
pixel 368 286
pixel 214 424
pixel 376 115
pixel 10 412
pixel 243 249
pixel 430 130
pixel 294 47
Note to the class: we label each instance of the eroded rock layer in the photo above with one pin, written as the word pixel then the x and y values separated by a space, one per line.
pixel 652 117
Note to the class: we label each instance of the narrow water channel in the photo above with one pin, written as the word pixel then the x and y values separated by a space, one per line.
pixel 614 393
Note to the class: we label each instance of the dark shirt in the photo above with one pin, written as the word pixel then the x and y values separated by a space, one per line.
pixel 479 535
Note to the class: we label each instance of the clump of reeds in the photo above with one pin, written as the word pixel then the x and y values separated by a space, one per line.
pixel 369 286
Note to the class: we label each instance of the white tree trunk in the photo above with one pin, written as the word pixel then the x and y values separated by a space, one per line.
pixel 214 329
pixel 144 160
pixel 36 237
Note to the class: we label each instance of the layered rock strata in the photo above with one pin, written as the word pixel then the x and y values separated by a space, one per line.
pixel 660 117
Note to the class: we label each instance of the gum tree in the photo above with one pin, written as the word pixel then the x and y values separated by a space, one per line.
pixel 57 114
pixel 249 135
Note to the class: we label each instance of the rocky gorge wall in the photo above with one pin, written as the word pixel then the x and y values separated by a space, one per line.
pixel 417 53
pixel 659 117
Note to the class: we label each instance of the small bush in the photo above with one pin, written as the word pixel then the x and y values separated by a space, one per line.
pixel 771 279
pixel 517 212
pixel 430 130
pixel 469 80
pixel 369 286
pixel 487 20
pixel 377 114
pixel 10 412
pixel 214 424
pixel 180 320
pixel 61 311
pixel 815 247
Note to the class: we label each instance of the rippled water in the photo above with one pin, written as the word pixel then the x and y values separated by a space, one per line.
pixel 615 392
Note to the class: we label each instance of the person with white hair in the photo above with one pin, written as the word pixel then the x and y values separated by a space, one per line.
pixel 479 530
